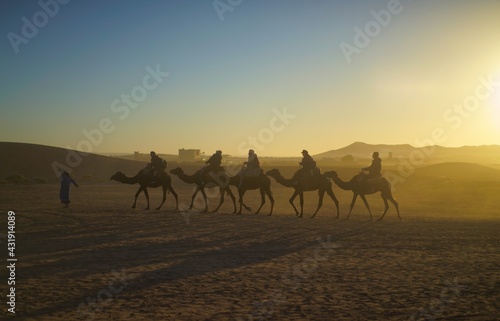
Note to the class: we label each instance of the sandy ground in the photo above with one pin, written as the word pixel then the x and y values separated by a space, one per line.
pixel 101 260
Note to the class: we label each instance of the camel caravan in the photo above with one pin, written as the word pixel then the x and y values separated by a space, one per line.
pixel 252 177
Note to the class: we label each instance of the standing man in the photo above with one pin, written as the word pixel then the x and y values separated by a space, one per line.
pixel 66 181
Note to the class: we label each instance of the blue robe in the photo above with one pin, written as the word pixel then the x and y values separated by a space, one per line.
pixel 66 182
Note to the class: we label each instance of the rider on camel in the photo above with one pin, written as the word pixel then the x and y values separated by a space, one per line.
pixel 252 167
pixel 308 163
pixel 158 165
pixel 213 164
pixel 375 168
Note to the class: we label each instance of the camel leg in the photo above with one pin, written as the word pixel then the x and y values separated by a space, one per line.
pixel 329 191
pixel 363 197
pixel 354 197
pixel 271 199
pixel 137 195
pixel 385 209
pixel 241 193
pixel 164 196
pixel 221 192
pixel 262 200
pixel 291 202
pixel 202 190
pixel 230 193
pixel 393 201
pixel 321 194
pixel 193 196
pixel 396 205
pixel 147 196
pixel 301 197
pixel 171 189
pixel 240 200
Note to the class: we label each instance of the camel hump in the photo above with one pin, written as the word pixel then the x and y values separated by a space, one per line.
pixel 377 181
pixel 146 170
pixel 256 172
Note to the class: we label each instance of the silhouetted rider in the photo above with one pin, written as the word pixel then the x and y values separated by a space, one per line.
pixel 213 164
pixel 308 163
pixel 215 160
pixel 252 167
pixel 157 164
pixel 375 168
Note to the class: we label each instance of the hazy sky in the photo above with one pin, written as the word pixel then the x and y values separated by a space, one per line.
pixel 290 75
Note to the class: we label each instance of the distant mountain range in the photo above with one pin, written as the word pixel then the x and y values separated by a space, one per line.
pixel 489 154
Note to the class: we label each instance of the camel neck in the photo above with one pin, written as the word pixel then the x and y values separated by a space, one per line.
pixel 284 181
pixel 190 179
pixel 129 180
pixel 343 185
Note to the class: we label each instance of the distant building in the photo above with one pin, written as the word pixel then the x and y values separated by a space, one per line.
pixel 189 155
pixel 136 155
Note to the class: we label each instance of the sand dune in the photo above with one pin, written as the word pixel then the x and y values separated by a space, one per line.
pixel 465 171
pixel 32 161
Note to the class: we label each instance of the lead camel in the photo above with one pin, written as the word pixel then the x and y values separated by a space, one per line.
pixel 362 187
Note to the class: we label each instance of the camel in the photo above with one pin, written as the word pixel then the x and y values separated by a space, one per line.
pixel 363 188
pixel 143 178
pixel 261 182
pixel 301 185
pixel 212 180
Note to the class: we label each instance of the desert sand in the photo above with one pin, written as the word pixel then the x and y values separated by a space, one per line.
pixel 102 260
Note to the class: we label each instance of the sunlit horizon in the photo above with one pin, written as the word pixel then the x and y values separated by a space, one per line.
pixel 268 76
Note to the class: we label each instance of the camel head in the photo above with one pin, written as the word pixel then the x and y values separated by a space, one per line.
pixel 118 176
pixel 273 172
pixel 176 171
pixel 331 174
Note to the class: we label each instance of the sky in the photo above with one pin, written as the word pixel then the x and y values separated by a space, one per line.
pixel 276 76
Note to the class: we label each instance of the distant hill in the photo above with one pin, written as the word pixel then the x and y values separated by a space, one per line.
pixel 35 161
pixel 363 150
pixel 434 154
